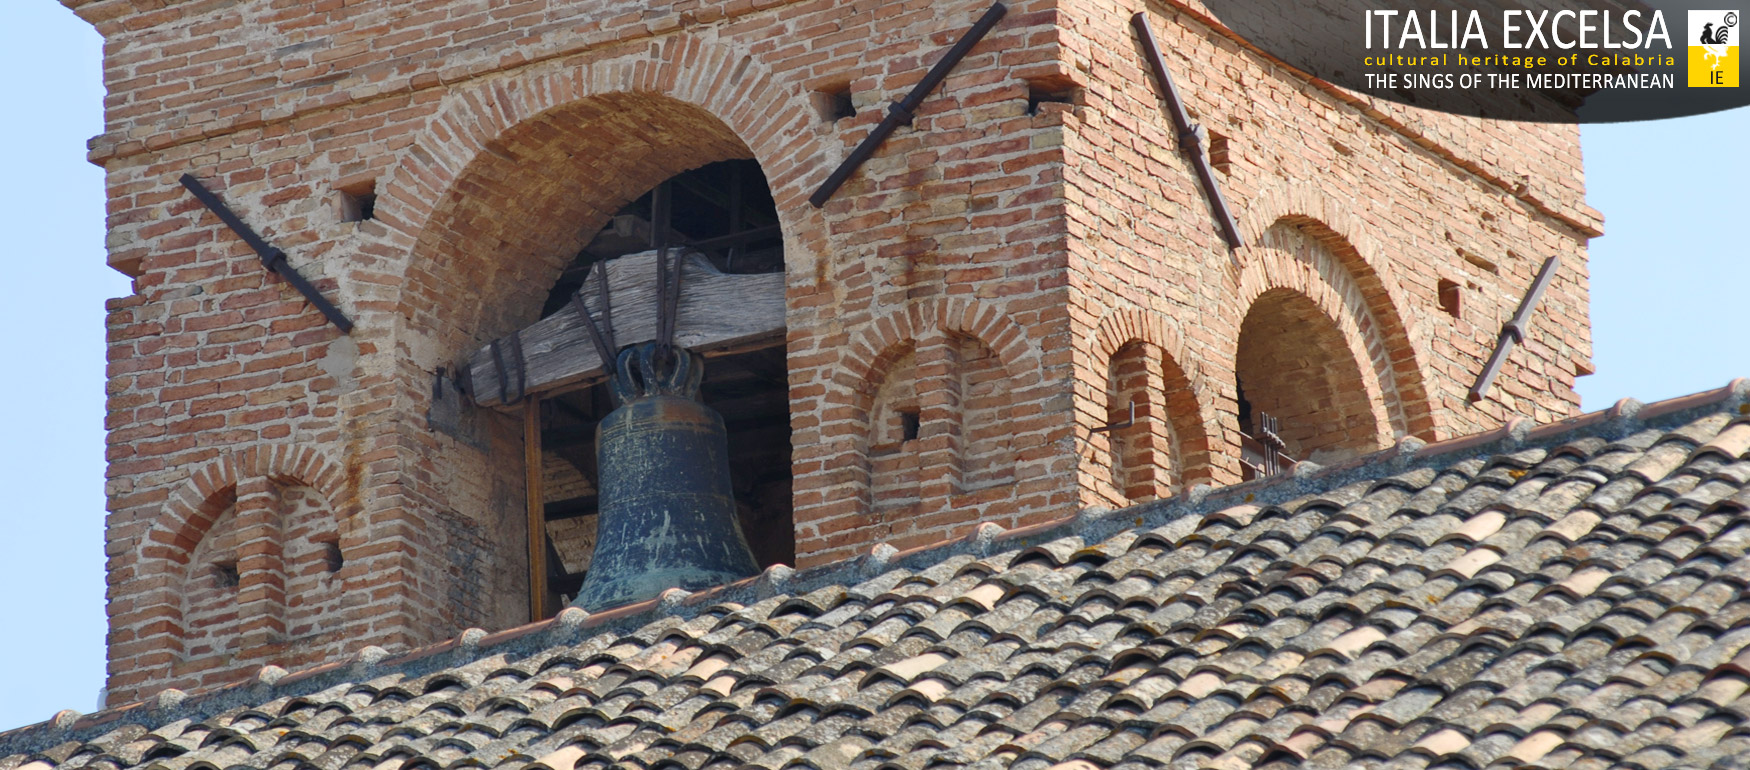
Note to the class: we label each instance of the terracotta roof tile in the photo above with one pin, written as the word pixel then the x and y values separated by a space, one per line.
pixel 1565 596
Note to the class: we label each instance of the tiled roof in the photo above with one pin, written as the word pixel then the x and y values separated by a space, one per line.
pixel 1566 596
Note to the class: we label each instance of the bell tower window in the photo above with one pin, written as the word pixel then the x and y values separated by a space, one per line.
pixel 722 212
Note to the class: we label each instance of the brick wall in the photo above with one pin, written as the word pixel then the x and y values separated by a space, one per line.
pixel 1353 211
pixel 1006 274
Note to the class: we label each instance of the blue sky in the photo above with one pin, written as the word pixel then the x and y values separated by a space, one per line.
pixel 1668 309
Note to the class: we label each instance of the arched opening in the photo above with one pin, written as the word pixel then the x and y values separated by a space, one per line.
pixel 507 243
pixel 1301 390
pixel 724 212
pixel 1364 308
pixel 516 217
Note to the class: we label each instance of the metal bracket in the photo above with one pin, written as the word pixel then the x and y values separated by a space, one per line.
pixel 901 112
pixel 522 374
pixel 602 336
pixel 1271 449
pixel 1120 425
pixel 271 257
pixel 1267 432
pixel 457 380
pixel 668 296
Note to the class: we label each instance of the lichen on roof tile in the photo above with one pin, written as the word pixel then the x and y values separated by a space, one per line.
pixel 1571 602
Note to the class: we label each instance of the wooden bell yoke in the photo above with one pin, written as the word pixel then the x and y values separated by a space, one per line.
pixel 716 314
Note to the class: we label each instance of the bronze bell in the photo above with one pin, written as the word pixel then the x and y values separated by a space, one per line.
pixel 667 510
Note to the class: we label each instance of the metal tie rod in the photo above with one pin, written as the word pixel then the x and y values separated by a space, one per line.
pixel 1513 332
pixel 1190 136
pixel 273 258
pixel 900 113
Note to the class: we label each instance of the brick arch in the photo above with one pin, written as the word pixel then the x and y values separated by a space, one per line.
pixel 869 357
pixel 883 364
pixel 1289 265
pixel 191 511
pixel 512 176
pixel 1122 326
pixel 1369 276
pixel 187 515
pixel 506 181
pixel 882 373
pixel 971 318
pixel 1196 432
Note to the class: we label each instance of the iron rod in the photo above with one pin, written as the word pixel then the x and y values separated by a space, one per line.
pixel 273 258
pixel 900 113
pixel 1513 331
pixel 1190 141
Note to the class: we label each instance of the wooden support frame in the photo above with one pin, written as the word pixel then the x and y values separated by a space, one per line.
pixel 719 313
pixel 537 514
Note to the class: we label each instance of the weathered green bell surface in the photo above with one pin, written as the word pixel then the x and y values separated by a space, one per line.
pixel 667 508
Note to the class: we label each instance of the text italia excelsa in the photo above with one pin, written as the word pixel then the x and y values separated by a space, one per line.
pixel 1565 29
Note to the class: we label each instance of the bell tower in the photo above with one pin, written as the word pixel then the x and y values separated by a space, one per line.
pixel 943 264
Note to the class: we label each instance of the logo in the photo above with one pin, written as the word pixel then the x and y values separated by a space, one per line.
pixel 1713 48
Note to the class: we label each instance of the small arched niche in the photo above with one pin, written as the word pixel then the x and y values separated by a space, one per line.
pixel 210 582
pixel 1141 450
pixel 315 594
pixel 1153 441
pixel 896 425
pixel 939 411
pixel 986 460
pixel 1302 392
pixel 267 564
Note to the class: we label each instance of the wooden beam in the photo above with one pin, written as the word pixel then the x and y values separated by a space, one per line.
pixel 571 508
pixel 719 313
pixel 537 514
pixel 560 581
pixel 565 439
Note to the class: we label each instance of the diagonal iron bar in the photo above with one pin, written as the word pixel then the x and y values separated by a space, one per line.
pixel 1190 136
pixel 271 257
pixel 1513 332
pixel 900 113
